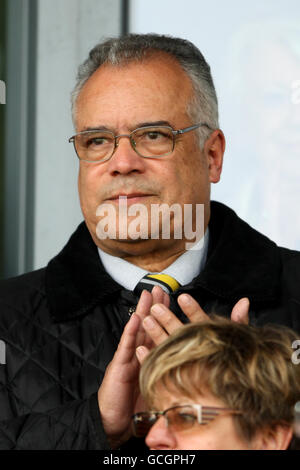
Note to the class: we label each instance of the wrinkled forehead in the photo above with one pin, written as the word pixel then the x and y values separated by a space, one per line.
pixel 156 86
pixel 152 61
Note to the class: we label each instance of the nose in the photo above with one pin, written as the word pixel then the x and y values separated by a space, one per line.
pixel 124 159
pixel 159 436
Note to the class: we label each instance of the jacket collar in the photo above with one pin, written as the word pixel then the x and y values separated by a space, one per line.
pixel 76 279
pixel 241 262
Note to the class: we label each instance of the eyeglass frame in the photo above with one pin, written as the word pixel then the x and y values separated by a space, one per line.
pixel 214 411
pixel 175 133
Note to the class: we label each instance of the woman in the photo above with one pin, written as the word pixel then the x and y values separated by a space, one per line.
pixel 220 385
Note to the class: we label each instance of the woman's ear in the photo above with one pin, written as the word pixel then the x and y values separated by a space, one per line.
pixel 277 438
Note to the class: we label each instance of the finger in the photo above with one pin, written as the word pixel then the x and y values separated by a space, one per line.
pixel 165 318
pixel 157 295
pixel 148 343
pixel 191 308
pixel 166 300
pixel 144 304
pixel 127 344
pixel 240 312
pixel 141 353
pixel 143 309
pixel 154 330
pixel 143 339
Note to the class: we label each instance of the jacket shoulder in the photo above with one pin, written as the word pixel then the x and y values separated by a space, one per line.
pixel 290 257
pixel 21 292
pixel 291 270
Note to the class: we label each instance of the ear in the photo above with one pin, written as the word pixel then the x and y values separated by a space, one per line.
pixel 277 438
pixel 214 149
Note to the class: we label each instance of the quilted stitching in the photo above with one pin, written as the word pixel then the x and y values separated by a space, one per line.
pixel 56 359
pixel 67 360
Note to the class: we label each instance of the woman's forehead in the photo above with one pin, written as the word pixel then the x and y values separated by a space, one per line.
pixel 168 394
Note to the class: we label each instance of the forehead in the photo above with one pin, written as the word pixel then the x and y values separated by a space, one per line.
pixel 152 90
pixel 168 395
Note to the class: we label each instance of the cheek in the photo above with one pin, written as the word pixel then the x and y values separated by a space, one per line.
pixel 90 177
pixel 83 186
pixel 212 437
pixel 226 437
pixel 194 182
pixel 193 164
pixel 88 187
pixel 201 440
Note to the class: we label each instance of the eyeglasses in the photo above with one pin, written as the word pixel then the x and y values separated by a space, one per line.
pixel 148 141
pixel 178 418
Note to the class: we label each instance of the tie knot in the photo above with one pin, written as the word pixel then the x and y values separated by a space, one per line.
pixel 166 282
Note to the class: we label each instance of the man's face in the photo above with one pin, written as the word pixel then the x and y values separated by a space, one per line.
pixel 121 99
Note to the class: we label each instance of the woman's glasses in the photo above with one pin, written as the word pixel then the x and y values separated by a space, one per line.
pixel 178 418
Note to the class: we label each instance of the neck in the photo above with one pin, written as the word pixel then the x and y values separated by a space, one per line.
pixel 154 262
pixel 149 254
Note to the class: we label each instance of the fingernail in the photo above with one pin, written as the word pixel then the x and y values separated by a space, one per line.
pixel 185 299
pixel 158 309
pixel 140 352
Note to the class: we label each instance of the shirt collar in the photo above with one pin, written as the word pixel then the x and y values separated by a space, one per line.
pixel 184 269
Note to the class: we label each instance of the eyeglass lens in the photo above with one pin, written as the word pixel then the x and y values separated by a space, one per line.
pixel 148 142
pixel 178 419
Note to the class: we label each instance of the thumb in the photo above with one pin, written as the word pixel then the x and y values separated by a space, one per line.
pixel 240 311
pixel 141 353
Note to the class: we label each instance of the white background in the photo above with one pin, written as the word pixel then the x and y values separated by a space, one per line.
pixel 67 30
pixel 253 49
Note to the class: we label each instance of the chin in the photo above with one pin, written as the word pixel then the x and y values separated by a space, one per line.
pixel 121 247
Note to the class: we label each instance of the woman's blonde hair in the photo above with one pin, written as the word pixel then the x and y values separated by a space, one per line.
pixel 248 368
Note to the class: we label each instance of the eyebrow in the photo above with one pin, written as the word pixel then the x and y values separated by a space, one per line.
pixel 136 126
pixel 98 128
pixel 153 123
pixel 176 403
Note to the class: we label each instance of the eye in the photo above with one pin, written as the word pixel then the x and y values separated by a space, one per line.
pixel 154 135
pixel 182 418
pixel 158 135
pixel 96 141
pixel 187 418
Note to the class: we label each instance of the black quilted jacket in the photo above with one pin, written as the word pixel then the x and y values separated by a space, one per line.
pixel 61 326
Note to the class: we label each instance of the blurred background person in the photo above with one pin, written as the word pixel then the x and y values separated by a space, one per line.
pixel 263 89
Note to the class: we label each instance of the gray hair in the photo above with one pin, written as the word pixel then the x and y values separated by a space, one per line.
pixel 136 47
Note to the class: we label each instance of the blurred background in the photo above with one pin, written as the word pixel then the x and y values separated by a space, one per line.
pixel 253 49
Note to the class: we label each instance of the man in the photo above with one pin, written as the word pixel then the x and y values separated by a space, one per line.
pixel 145 113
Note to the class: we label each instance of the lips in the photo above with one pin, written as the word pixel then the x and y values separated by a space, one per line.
pixel 128 199
pixel 128 196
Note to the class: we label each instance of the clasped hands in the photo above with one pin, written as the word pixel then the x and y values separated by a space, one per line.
pixel 118 396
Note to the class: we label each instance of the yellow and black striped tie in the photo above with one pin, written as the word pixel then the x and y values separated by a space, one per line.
pixel 166 282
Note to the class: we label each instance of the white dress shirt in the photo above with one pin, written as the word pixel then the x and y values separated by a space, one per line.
pixel 184 268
